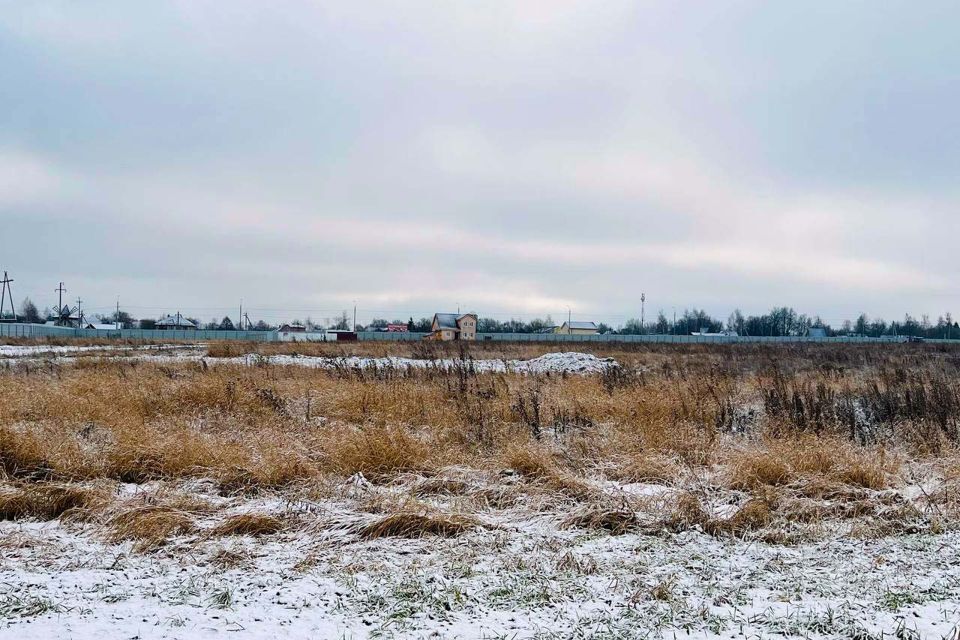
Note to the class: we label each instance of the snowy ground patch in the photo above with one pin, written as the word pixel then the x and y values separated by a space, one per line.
pixel 524 578
pixel 566 362
pixel 47 350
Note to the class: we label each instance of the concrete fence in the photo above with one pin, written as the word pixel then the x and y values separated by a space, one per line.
pixel 22 330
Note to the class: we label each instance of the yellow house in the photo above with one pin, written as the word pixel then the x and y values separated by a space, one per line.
pixel 576 328
pixel 450 326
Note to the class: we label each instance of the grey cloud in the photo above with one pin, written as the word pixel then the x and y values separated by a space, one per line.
pixel 518 157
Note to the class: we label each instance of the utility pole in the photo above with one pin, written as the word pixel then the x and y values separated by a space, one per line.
pixel 674 331
pixel 3 293
pixel 79 313
pixel 354 315
pixel 643 309
pixel 116 318
pixel 60 304
pixel 240 317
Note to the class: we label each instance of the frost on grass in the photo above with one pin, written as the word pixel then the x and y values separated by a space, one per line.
pixel 628 566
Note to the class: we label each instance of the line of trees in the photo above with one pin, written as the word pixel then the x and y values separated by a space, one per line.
pixel 779 321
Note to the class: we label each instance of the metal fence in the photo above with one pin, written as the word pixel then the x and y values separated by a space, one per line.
pixel 391 336
pixel 22 330
pixel 685 339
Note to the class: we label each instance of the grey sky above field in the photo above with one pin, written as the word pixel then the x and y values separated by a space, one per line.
pixel 512 158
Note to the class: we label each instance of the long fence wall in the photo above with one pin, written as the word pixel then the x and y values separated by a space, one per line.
pixel 21 330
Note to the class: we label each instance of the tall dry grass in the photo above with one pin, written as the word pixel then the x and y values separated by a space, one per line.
pixel 778 425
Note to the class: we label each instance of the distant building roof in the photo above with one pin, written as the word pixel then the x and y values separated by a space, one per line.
pixel 451 320
pixel 446 320
pixel 174 321
pixel 103 326
pixel 578 324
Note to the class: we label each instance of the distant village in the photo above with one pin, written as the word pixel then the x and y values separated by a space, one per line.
pixel 449 326
pixel 443 326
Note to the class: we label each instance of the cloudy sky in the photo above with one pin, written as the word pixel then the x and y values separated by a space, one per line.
pixel 514 158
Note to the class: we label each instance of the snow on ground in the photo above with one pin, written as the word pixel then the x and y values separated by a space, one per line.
pixel 44 350
pixel 567 362
pixel 523 578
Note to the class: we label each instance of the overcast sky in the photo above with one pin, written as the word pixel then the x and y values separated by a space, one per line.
pixel 513 158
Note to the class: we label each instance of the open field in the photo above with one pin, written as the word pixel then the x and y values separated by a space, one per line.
pixel 411 490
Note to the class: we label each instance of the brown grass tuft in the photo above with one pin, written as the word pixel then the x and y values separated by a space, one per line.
pixel 756 469
pixel 867 474
pixel 249 524
pixel 22 454
pixel 685 513
pixel 754 514
pixel 649 469
pixel 230 349
pixel 380 453
pixel 616 520
pixel 47 501
pixel 149 525
pixel 530 461
pixel 538 464
pixel 418 525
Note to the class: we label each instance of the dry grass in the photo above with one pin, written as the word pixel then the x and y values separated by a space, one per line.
pixel 149 525
pixel 684 512
pixel 48 501
pixel 419 525
pixel 249 524
pixel 534 441
pixel 650 469
pixel 756 469
pixel 617 519
pixel 380 453
pixel 540 465
pixel 230 349
pixel 753 515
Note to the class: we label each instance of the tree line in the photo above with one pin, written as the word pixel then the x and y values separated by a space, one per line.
pixel 778 322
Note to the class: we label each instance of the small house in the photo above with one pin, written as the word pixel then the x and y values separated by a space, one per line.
pixel 176 322
pixel 451 326
pixel 102 326
pixel 578 328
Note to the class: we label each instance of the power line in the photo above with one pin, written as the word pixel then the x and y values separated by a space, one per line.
pixel 3 292
pixel 62 291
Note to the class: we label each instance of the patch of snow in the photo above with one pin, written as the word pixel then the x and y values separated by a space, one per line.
pixel 569 362
pixel 36 350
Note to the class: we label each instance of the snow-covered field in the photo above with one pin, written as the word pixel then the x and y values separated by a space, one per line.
pixel 519 576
